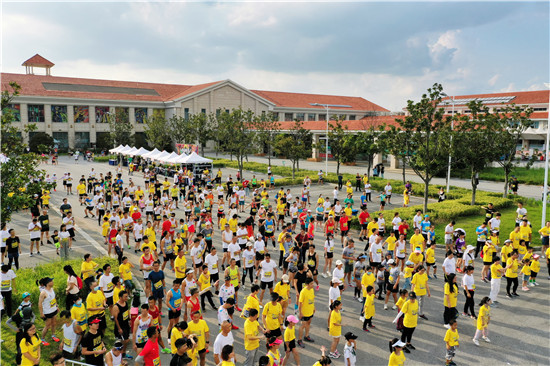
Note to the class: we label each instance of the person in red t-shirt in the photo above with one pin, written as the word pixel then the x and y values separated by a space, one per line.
pixel 136 215
pixel 156 320
pixel 149 355
pixel 344 227
pixel 403 228
pixel 330 225
pixel 166 225
pixel 364 222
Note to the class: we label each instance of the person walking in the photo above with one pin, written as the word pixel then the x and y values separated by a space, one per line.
pixel 469 289
pixel 410 310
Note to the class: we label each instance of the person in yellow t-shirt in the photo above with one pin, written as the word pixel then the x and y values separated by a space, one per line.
pixel 535 268
pixel 417 258
pixel 125 271
pixel 407 274
pixel 30 346
pixel 369 310
pixel 391 240
pixel 421 288
pixel 252 335
pixel 483 319
pixel 367 280
pixel 450 297
pixel 545 235
pixel 180 264
pixel 430 259
pixel 306 309
pixel 451 341
pixel 200 329
pixel 515 236
pixel 410 310
pixel 417 240
pixel 272 317
pixel 506 250
pixel 526 272
pixel 496 275
pixel 335 327
pixel 290 340
pixel 397 357
pixel 512 266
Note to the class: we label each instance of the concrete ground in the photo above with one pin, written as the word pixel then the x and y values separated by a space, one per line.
pixel 519 329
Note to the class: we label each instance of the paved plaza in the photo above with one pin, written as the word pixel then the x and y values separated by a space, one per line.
pixel 519 329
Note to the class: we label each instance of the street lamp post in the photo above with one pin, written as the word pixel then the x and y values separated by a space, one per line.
pixel 327 106
pixel 452 127
pixel 545 190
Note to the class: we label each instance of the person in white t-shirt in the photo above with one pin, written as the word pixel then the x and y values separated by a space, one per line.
pixel 449 230
pixel 388 190
pixel 34 231
pixel 268 274
pixel 350 347
pixel 449 264
pixel 494 223
pixel 107 286
pixel 248 256
pixel 417 219
pixel 211 260
pixel 225 337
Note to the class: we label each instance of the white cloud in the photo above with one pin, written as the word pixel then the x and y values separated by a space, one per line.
pixel 445 45
pixel 492 81
pixel 250 14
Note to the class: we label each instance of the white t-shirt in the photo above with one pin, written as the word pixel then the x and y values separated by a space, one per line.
pixel 233 248
pixel 138 231
pixel 242 239
pixel 335 194
pixel 376 251
pixel 69 222
pixel 293 212
pixel 212 262
pixel 5 280
pixel 338 273
pixel 400 247
pixel 106 284
pixel 35 233
pixel 468 281
pixel 248 258
pixel 495 223
pixel 329 246
pixel 450 265
pixel 222 341
pixel 368 187
pixel 396 222
pixel 267 273
pixel 4 235
pixel 388 189
pixel 227 236
pixel 449 229
pixel 416 221
pixel 349 354
pixel 333 294
pixel 196 254
pixel 381 223
pixel 259 245
pixel 521 212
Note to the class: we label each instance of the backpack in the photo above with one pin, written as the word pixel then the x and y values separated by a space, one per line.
pixel 79 282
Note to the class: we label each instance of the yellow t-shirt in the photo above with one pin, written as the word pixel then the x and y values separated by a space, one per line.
pixel 307 299
pixel 526 270
pixel 417 240
pixel 233 223
pixel 535 266
pixel 125 271
pixel 204 281
pixel 180 263
pixel 451 337
pixel 416 258
pixel 420 281
pixel 411 314
pixel 105 228
pixel 400 302
pixel 199 329
pixel 96 300
pixel 372 225
pixel 544 231
pixel 150 234
pixel 281 208
pixel 174 336
pixel 80 314
pixel 193 354
pixel 391 242
pixel 31 348
pixel 408 272
pixel 512 272
pixel 430 255
pixel 452 296
pixel 81 188
pixel 495 270
pixel 396 360
pixel 522 249
pixel 272 313
pixel 290 334
pixel 252 302
pixel 335 317
pixel 282 289
pixel 547 253
pixel 116 291
pixel 251 329
pixel 87 269
pixel 483 317
pixel 370 311
pixel 150 244
pixel 46 199
pixel 525 231
pixel 505 253
pixel 348 211
pixel 514 237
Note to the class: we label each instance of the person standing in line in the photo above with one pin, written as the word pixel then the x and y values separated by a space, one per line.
pixel 451 342
pixel 469 290
pixel 496 275
pixel 483 321
pixel 7 287
pixel 410 321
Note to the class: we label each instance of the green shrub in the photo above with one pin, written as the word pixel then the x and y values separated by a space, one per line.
pixel 101 159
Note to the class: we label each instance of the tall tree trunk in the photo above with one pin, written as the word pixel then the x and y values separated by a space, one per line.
pixel 297 165
pixel 426 190
pixel 337 166
pixel 369 166
pixel 293 169
pixel 506 178
pixel 474 187
pixel 403 170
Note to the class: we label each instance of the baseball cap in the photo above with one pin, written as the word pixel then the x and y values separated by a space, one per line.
pixel 350 335
pixel 118 345
pixel 391 261
pixel 277 341
pixel 228 278
pixel 418 250
pixel 426 215
pixel 339 262
pixel 94 321
pixel 285 278
pixel 292 319
pixel 25 295
pixel 409 263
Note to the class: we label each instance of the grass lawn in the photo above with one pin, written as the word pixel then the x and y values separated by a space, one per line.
pixel 525 176
pixel 470 223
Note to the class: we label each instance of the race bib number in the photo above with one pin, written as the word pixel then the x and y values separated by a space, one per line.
pixel 67 342
pixel 53 303
pixel 267 274
pixel 126 315
pixel 156 361
pixel 215 266
pixel 5 285
pixel 177 303
pixel 158 285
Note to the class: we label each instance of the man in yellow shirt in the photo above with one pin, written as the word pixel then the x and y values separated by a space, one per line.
pixel 252 336
pixel 306 309
pixel 421 288
pixel 272 317
pixel 96 305
pixel 525 232
pixel 180 264
pixel 417 240
pixel 515 237
pixel 81 189
pixel 199 328
pixel 87 269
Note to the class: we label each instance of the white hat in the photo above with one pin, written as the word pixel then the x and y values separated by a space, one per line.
pixel 470 247
pixel 391 261
pixel 399 343
pixel 339 262
pixel 336 280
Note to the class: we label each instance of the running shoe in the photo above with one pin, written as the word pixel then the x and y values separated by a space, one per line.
pixel 332 355
pixel 486 339
pixel 525 288
pixel 308 339
pixel 55 339
pixel 394 307
pixel 366 330
pixel 423 317
pixel 44 343
pixel 301 344
pixel 410 346
pixel 385 307
pixel 476 342
pixel 234 327
pixel 317 288
pixel 238 308
pixel 447 326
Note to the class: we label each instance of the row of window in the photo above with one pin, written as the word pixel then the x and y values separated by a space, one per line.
pixel 35 113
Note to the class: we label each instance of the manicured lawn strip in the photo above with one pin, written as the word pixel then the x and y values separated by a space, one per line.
pixel 533 176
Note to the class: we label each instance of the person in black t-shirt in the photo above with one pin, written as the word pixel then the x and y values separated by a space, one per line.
pixel 93 348
pixel 13 245
pixel 180 358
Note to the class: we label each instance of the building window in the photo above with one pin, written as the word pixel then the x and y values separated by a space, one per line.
pixel 122 114
pixel 102 114
pixel 352 117
pixel 535 125
pixel 301 116
pixel 311 117
pixel 186 113
pixel 15 110
pixel 81 140
pixel 36 112
pixel 140 114
pixel 81 114
pixel 59 113
pixel 61 140
pixel 288 116
pixel 103 140
pixel 203 111
pixel 539 109
pixel 322 117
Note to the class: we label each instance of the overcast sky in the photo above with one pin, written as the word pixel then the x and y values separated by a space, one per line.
pixel 384 52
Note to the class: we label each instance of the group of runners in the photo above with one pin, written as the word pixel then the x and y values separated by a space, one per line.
pixel 166 228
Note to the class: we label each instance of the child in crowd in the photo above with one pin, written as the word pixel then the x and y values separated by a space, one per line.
pixel 526 271
pixel 451 342
pixel 535 268
pixel 483 319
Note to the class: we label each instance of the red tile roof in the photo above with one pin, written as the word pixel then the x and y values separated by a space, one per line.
pixel 301 100
pixel 521 98
pixel 38 60
pixel 357 125
pixel 192 89
pixel 31 85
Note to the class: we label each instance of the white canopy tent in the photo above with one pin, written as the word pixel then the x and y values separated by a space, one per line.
pixel 160 156
pixel 130 152
pixel 169 158
pixel 116 149
pixel 124 150
pixel 150 153
pixel 194 158
pixel 141 152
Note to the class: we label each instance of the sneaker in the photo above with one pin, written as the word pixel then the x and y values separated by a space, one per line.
pixel 484 280
pixel 423 317
pixel 447 326
pixel 325 275
pixel 359 299
pixel 531 284
pixel 243 286
pixel 496 302
pixel 394 307
pixel 536 283
pixel 55 339
pixel 525 288
pixel 38 253
pixel 308 339
pixel 465 314
pixel 385 307
pixel 31 254
pixel 486 339
pixel 372 326
pixel 238 308
pixel 435 276
pixel 515 294
pixel 165 350
pixel 410 346
pixel 406 350
pixel 317 288
pixel 429 276
pixel 333 355
pixel 128 356
pixel 301 344
pixel 44 343
pixel 366 330
pixel 234 327
pixel 476 342
pixel 509 296
pixel 328 274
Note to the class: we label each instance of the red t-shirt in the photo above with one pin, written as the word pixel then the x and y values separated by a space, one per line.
pixel 363 217
pixel 403 229
pixel 344 223
pixel 155 314
pixel 136 215
pixel 166 226
pixel 150 353
pixel 329 226
pixel 112 235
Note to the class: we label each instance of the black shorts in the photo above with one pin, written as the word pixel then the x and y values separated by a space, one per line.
pixel 291 345
pixel 274 333
pixel 374 264
pixel 89 208
pixel 169 256
pixel 430 264
pixel 3 250
pixel 459 255
pixel 202 351
pixel 306 318
pixel 260 256
pixel 268 235
pixel 140 345
pixel 174 314
pixel 344 232
pixel 109 301
pixel 45 229
pixel 51 315
pixel 285 264
pixel 487 263
pixel 294 220
pixel 225 250
pixel 158 294
pixel 534 274
pixel 125 333
pixel 382 203
pixel 330 255
pixel 198 265
pixel 214 277
pixel 281 217
pixel 390 288
pixel 102 322
pixel 263 284
pixel 337 218
pixel 364 226
pixel 82 195
pixel 137 240
pixel 319 218
pixel 147 213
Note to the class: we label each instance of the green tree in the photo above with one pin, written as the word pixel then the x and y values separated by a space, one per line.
pixel 120 128
pixel 201 129
pixel 476 129
pixel 395 142
pixel 514 121
pixel 341 143
pixel 41 142
pixel 180 130
pixel 237 123
pixel 429 134
pixel 267 127
pixel 21 176
pixel 157 132
pixel 296 145
pixel 369 143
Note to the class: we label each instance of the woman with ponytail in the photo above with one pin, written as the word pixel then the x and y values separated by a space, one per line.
pixel 450 291
pixel 335 327
pixel 397 357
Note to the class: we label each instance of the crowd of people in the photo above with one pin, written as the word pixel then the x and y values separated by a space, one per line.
pixel 169 225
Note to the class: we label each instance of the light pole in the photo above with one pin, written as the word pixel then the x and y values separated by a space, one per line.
pixel 327 106
pixel 452 127
pixel 545 190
